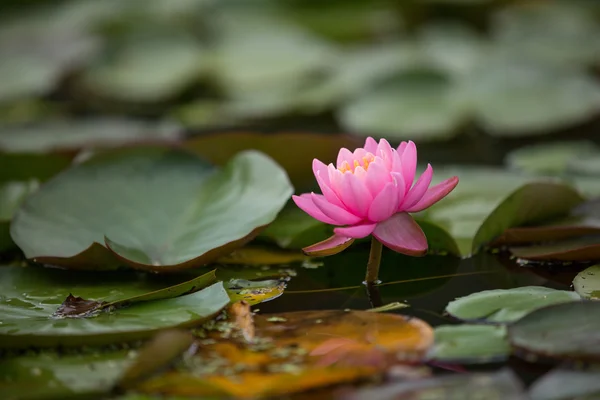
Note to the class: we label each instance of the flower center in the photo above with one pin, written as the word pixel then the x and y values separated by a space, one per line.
pixel 361 162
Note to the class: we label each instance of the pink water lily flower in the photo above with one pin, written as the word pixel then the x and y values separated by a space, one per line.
pixel 371 191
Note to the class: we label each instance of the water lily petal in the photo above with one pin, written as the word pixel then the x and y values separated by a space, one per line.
pixel 337 214
pixel 401 147
pixel 344 155
pixel 409 163
pixel 306 204
pixel 322 174
pixel 435 194
pixel 402 234
pixel 418 190
pixel 400 186
pixel 356 231
pixel 384 150
pixel 328 247
pixel 355 195
pixel 359 154
pixel 371 145
pixel 384 204
pixel 396 161
pixel 377 176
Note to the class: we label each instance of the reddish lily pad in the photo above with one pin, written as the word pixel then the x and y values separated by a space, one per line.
pixel 294 151
pixel 585 248
pixel 162 209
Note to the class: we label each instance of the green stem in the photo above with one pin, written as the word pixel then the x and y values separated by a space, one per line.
pixel 374 261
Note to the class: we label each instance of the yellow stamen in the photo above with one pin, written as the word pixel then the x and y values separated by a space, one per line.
pixel 363 162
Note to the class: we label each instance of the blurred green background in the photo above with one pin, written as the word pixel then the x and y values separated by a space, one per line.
pixel 453 71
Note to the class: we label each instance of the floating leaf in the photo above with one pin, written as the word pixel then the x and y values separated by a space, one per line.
pixel 587 283
pixel 146 69
pixel 470 344
pixel 254 292
pixel 549 158
pixel 515 100
pixel 288 354
pixel 583 248
pixel 261 256
pixel 566 384
pixel 71 135
pixel 294 151
pixel 51 375
pixel 160 210
pixel 31 295
pixel 506 305
pixel 561 331
pixel 414 105
pixel 12 194
pixel 500 385
pixel 474 217
pixel 156 354
pixel 294 229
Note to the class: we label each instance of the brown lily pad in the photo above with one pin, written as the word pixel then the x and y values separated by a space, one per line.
pixel 294 352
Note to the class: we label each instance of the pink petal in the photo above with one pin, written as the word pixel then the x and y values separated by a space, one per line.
pixel 396 161
pixel 400 186
pixel 418 190
pixel 402 234
pixel 371 145
pixel 409 163
pixel 305 203
pixel 435 194
pixel 384 150
pixel 322 174
pixel 344 155
pixel 401 148
pixel 337 214
pixel 355 195
pixel 328 247
pixel 359 154
pixel 385 203
pixel 377 176
pixel 356 231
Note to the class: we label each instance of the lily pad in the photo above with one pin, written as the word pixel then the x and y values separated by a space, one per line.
pixel 567 384
pixel 12 194
pixel 294 352
pixel 549 158
pixel 587 283
pixel 146 69
pixel 474 217
pixel 506 305
pixel 561 331
pixel 159 209
pixel 419 105
pixel 470 344
pixel 254 292
pixel 500 385
pixel 512 100
pixel 294 151
pixel 294 229
pixel 51 375
pixel 584 248
pixel 31 295
pixel 54 135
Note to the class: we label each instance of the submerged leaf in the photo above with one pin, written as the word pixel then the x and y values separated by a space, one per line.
pixel 566 384
pixel 289 351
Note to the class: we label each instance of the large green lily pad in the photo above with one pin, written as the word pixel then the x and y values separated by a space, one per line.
pixel 587 283
pixel 506 305
pixel 51 375
pixel 31 295
pixel 470 344
pixel 549 158
pixel 158 209
pixel 561 331
pixel 474 216
pixel 12 195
